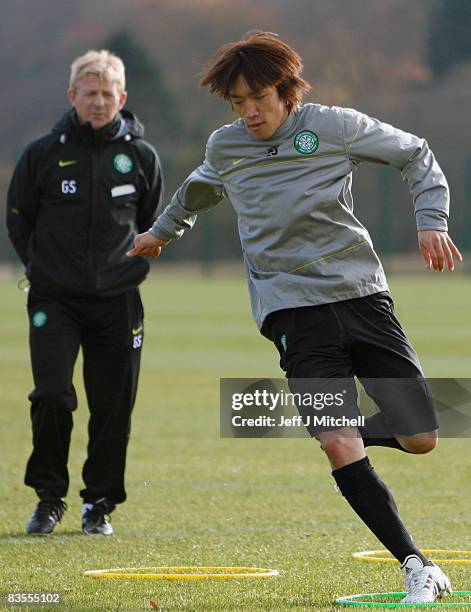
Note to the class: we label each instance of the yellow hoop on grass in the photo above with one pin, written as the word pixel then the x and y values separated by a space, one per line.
pixel 383 556
pixel 183 572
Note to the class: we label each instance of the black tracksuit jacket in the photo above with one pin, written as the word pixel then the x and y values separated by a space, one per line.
pixel 76 200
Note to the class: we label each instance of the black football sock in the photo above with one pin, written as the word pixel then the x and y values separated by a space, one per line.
pixel 371 499
pixel 376 432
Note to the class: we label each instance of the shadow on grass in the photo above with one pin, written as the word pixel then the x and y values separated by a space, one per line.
pixel 22 537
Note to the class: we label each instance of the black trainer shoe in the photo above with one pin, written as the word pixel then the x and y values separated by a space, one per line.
pixel 95 520
pixel 47 514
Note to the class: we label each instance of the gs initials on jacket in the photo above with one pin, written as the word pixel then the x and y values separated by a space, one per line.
pixel 69 186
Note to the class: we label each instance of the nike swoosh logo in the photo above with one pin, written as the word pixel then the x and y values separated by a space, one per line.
pixel 136 331
pixel 69 162
pixel 237 161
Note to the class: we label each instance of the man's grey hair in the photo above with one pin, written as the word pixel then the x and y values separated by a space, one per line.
pixel 103 64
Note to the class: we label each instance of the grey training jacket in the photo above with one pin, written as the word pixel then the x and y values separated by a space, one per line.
pixel 301 242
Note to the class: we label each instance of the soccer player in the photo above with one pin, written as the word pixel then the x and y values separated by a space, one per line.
pixel 78 197
pixel 316 285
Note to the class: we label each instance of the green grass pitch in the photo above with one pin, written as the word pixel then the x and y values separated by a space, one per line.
pixel 196 499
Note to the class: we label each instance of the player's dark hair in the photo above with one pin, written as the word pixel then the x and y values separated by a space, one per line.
pixel 264 60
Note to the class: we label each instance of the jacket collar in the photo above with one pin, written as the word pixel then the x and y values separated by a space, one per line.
pixel 99 137
pixel 124 123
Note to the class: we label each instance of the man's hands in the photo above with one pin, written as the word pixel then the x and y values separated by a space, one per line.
pixel 148 246
pixel 438 249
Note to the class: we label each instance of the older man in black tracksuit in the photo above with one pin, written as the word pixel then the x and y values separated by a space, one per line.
pixel 77 198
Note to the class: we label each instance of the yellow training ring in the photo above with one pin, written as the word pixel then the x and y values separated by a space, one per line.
pixel 383 556
pixel 183 572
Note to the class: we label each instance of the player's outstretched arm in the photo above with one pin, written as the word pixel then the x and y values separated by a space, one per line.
pixel 147 245
pixel 438 249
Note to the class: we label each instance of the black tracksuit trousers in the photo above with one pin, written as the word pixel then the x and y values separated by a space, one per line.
pixel 110 332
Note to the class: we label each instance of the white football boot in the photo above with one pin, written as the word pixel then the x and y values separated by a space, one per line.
pixel 424 583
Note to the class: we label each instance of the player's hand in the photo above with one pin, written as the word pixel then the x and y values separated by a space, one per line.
pixel 148 246
pixel 438 249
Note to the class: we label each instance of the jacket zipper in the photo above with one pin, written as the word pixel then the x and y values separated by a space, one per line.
pixel 91 246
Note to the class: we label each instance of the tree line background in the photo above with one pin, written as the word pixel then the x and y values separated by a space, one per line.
pixel 407 63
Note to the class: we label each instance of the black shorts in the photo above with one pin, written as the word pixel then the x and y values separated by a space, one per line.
pixel 359 337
